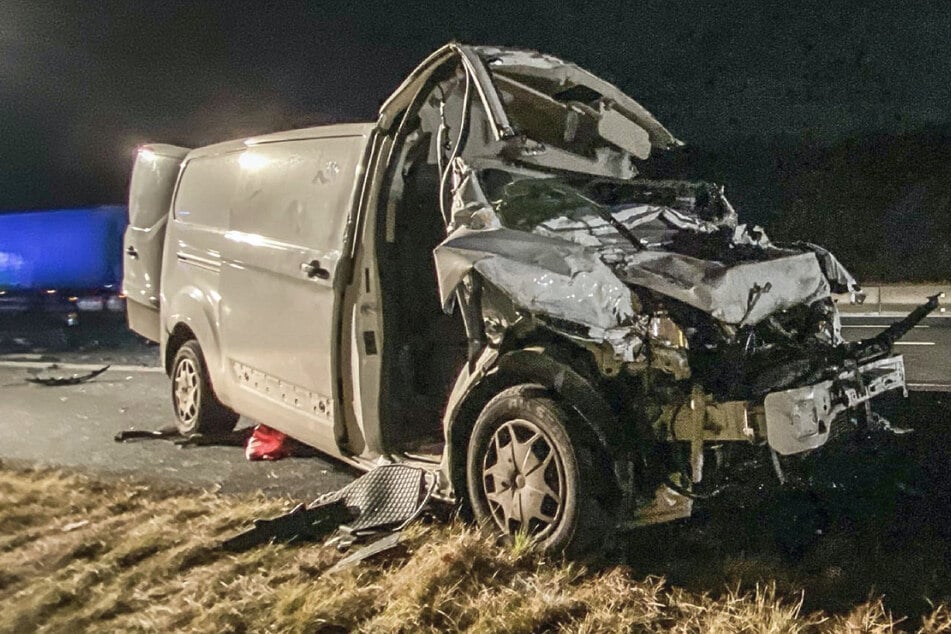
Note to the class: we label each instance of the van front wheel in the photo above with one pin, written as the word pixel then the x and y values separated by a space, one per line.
pixel 530 472
pixel 197 409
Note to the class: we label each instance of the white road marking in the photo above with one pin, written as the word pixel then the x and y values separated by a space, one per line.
pixel 881 326
pixel 914 343
pixel 87 367
pixel 930 387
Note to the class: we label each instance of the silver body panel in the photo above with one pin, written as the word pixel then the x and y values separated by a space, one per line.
pixel 153 179
pixel 252 265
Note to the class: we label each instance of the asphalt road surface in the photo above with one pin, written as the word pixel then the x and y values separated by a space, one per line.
pixel 927 348
pixel 74 426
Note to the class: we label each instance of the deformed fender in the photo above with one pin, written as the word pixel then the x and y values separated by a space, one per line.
pixel 547 366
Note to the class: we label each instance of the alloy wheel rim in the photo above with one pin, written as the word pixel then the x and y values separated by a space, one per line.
pixel 523 479
pixel 186 391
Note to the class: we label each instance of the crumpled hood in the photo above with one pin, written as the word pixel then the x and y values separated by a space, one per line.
pixel 578 268
pixel 541 274
pixel 571 281
pixel 738 294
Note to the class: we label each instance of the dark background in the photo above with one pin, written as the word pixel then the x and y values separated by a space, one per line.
pixel 828 121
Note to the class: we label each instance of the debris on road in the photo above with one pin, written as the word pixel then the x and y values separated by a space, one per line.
pixel 236 438
pixel 58 381
pixel 260 442
pixel 381 502
pixel 170 432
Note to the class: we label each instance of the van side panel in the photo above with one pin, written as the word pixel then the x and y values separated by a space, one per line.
pixel 280 292
pixel 192 255
pixel 150 194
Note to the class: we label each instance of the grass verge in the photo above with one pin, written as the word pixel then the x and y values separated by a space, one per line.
pixel 81 554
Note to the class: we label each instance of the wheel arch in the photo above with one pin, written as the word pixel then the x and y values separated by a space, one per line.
pixel 193 307
pixel 176 339
pixel 553 368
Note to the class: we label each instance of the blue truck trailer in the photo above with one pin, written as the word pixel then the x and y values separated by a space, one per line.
pixel 56 263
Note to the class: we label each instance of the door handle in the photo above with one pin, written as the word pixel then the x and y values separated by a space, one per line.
pixel 132 253
pixel 313 269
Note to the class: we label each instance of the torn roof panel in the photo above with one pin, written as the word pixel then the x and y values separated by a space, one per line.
pixel 558 77
pixel 621 121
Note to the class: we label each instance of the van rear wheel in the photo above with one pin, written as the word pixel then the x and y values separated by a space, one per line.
pixel 197 409
pixel 531 472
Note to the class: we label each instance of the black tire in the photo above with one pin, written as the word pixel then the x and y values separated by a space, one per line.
pixel 583 524
pixel 197 409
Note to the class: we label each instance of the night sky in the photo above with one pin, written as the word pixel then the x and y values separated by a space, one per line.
pixel 82 83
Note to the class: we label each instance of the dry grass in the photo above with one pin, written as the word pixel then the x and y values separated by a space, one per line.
pixel 77 554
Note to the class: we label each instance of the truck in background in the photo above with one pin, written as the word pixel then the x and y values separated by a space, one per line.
pixel 56 264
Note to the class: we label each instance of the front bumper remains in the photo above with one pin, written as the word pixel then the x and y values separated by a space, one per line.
pixel 791 421
pixel 801 419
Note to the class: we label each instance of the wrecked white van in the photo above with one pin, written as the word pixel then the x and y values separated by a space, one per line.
pixel 480 282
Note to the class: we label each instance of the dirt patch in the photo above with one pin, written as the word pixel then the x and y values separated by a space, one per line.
pixel 83 554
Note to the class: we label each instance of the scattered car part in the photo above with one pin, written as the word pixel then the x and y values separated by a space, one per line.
pixel 382 500
pixel 236 438
pixel 300 524
pixel 385 498
pixel 233 438
pixel 381 545
pixel 165 433
pixel 75 379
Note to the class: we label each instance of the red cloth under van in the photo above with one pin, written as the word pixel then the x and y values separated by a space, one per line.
pixel 267 444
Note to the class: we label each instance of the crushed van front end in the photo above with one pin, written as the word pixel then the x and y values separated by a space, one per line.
pixel 695 329
pixel 655 324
